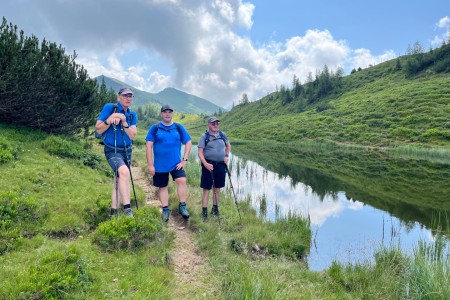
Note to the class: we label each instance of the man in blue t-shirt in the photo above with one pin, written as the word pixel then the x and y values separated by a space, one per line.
pixel 164 156
pixel 117 126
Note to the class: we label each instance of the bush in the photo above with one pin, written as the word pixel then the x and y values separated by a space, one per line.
pixel 131 233
pixel 55 276
pixel 7 152
pixel 19 216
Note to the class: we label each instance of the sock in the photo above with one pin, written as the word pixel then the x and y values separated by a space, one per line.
pixel 127 206
pixel 214 206
pixel 165 208
pixel 204 209
pixel 182 203
pixel 113 211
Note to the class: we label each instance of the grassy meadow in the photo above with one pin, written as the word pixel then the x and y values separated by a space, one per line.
pixel 56 240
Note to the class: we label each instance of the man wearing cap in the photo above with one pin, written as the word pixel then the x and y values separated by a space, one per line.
pixel 117 125
pixel 213 151
pixel 163 152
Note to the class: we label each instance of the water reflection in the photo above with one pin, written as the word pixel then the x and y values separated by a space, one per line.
pixel 355 201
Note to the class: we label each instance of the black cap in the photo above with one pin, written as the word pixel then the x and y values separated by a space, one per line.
pixel 166 107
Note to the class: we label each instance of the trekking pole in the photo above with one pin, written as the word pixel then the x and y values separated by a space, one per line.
pixel 214 193
pixel 232 189
pixel 129 166
pixel 116 175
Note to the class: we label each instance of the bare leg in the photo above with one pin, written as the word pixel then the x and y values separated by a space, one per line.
pixel 164 196
pixel 205 197
pixel 181 189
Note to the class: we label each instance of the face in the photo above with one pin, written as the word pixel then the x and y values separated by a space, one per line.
pixel 214 126
pixel 166 115
pixel 126 100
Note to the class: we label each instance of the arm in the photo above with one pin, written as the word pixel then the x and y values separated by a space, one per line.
pixel 150 161
pixel 187 151
pixel 227 152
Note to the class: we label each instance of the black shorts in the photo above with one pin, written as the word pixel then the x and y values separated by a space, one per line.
pixel 215 178
pixel 117 158
pixel 162 179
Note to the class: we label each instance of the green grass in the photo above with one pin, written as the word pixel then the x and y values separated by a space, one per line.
pixel 71 251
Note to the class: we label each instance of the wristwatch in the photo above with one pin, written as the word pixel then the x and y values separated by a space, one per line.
pixel 185 159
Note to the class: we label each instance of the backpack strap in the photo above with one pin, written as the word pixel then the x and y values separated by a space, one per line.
pixel 221 136
pixel 157 127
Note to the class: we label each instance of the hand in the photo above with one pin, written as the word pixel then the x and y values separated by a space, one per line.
pixel 151 170
pixel 225 160
pixel 181 165
pixel 209 167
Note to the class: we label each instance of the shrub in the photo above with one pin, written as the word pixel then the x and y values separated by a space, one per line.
pixel 131 233
pixel 7 152
pixel 56 275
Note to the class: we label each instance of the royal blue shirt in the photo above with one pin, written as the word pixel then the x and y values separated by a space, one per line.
pixel 167 145
pixel 120 136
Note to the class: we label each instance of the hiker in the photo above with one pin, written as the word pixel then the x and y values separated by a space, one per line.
pixel 163 152
pixel 213 151
pixel 117 125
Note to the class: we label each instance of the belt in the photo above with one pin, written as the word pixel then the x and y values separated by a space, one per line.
pixel 214 162
pixel 119 148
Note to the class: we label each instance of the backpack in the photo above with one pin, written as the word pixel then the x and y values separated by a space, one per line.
pixel 208 137
pixel 157 127
pixel 98 135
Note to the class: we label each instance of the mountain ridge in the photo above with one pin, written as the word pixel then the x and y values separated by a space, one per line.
pixel 181 101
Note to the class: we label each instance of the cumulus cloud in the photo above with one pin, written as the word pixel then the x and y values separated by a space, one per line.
pixel 206 56
pixel 444 22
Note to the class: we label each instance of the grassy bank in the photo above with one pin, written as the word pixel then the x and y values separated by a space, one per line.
pixel 56 240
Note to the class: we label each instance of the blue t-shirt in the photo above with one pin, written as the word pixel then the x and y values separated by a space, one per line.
pixel 167 145
pixel 108 135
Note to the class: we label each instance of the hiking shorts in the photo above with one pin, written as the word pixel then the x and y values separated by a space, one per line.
pixel 162 179
pixel 215 178
pixel 117 158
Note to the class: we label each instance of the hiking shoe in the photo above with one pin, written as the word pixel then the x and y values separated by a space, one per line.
pixel 205 214
pixel 183 211
pixel 112 213
pixel 215 210
pixel 128 212
pixel 166 215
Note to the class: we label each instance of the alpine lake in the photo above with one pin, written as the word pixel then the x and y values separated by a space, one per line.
pixel 357 200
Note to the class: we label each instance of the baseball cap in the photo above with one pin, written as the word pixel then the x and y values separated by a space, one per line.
pixel 166 107
pixel 213 119
pixel 125 90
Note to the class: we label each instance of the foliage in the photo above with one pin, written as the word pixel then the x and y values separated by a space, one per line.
pixel 56 275
pixel 7 151
pixel 63 147
pixel 288 236
pixel 42 87
pixel 131 233
pixel 19 217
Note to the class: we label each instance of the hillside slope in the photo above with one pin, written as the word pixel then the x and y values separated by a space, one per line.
pixel 379 106
pixel 181 101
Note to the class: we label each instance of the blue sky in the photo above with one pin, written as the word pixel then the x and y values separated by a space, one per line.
pixel 220 49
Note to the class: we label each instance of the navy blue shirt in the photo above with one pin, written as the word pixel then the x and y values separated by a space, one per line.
pixel 121 136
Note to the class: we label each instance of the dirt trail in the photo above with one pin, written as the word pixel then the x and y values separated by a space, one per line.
pixel 189 266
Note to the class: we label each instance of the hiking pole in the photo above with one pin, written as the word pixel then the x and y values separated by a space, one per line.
pixel 232 189
pixel 116 175
pixel 129 166
pixel 214 193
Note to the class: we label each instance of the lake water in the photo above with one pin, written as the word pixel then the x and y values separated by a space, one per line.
pixel 356 202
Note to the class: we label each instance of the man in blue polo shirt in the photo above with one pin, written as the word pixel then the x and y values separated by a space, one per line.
pixel 117 125
pixel 164 156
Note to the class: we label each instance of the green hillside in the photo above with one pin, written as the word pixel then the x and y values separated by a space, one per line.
pixel 383 105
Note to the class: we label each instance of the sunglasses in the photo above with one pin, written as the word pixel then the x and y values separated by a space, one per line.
pixel 128 96
pixel 215 123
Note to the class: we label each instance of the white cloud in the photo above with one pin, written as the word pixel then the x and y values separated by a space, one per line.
pixel 444 22
pixel 196 39
pixel 363 58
